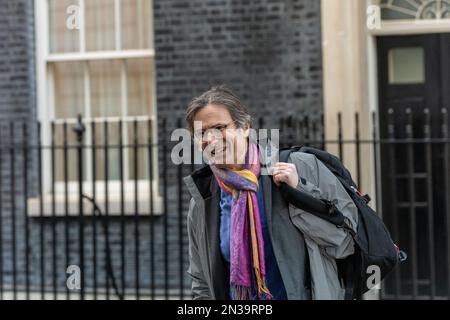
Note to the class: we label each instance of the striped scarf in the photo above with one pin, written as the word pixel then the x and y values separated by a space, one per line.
pixel 247 263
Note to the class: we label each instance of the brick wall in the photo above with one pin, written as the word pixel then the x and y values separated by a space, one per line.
pixel 17 85
pixel 269 51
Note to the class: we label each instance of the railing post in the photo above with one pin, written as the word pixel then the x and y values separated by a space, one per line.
pixel 446 166
pixel 66 200
pixel 41 212
pixel 393 190
pixel 79 130
pixel 430 195
pixel 358 151
pixel 13 209
pixel 108 267
pixel 53 209
pixel 152 226
pixel 412 199
pixel 322 133
pixel 307 131
pixel 165 210
pixel 94 198
pixel 136 207
pixel 1 214
pixel 340 138
pixel 180 223
pixel 26 149
pixel 122 149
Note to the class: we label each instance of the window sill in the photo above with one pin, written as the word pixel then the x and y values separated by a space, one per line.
pixel 114 205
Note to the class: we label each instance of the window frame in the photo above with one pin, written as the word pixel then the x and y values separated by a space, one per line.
pixel 415 15
pixel 407 26
pixel 46 106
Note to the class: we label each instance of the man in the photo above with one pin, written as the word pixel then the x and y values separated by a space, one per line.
pixel 245 241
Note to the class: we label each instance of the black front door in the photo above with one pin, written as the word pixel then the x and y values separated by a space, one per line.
pixel 414 96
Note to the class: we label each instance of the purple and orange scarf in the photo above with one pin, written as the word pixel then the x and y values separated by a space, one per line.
pixel 247 263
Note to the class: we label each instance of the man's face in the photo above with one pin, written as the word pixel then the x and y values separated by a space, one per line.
pixel 221 142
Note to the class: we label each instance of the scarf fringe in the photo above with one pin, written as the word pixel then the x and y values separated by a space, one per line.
pixel 245 293
pixel 240 293
pixel 263 291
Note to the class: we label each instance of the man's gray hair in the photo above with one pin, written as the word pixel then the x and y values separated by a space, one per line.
pixel 223 96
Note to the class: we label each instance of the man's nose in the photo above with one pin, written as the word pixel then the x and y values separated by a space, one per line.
pixel 210 137
pixel 211 140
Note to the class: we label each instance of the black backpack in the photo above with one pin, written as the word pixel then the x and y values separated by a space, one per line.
pixel 373 243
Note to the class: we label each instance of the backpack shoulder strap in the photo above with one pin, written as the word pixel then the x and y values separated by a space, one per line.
pixel 286 152
pixel 322 208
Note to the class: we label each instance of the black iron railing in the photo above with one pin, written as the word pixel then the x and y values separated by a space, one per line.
pixel 104 198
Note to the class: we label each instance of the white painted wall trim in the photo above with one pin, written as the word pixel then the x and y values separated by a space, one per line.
pixel 101 55
pixel 410 27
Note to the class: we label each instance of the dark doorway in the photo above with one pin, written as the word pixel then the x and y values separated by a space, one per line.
pixel 414 96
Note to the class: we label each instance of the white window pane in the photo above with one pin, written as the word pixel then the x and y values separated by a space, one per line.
pixel 61 38
pixel 68 89
pixel 100 25
pixel 136 24
pixel 140 87
pixel 406 65
pixel 105 88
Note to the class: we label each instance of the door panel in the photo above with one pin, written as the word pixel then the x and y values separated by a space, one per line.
pixel 412 181
pixel 445 63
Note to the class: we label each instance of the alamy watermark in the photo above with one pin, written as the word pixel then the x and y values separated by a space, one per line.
pixel 374 280
pixel 73 17
pixel 74 279
pixel 373 17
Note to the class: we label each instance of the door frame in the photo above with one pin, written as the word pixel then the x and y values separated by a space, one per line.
pixel 394 28
pixel 398 28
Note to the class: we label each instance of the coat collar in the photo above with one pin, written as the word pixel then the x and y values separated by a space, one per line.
pixel 205 189
pixel 200 184
pixel 219 271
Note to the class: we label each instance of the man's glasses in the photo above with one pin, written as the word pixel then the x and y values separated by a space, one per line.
pixel 200 135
